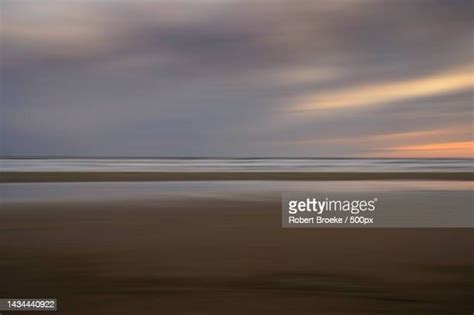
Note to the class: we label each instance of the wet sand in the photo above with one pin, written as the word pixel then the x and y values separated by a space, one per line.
pixel 26 177
pixel 214 256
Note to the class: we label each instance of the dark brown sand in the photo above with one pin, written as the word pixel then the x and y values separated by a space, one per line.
pixel 24 177
pixel 207 256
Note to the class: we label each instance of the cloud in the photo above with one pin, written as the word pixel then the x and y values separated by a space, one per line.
pixel 206 77
pixel 379 94
pixel 449 149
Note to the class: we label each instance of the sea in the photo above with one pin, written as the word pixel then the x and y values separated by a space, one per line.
pixel 234 165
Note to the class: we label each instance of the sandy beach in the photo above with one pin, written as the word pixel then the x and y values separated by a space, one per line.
pixel 225 254
pixel 32 177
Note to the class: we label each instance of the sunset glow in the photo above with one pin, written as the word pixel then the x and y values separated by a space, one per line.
pixel 379 94
pixel 441 150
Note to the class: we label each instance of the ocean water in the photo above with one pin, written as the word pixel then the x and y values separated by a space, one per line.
pixel 238 165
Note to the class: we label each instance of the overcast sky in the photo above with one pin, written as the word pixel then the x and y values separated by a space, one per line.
pixel 237 78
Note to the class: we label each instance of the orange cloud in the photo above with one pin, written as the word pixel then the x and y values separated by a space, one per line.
pixel 382 93
pixel 447 149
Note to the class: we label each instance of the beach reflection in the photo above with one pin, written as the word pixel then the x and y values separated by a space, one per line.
pixel 110 191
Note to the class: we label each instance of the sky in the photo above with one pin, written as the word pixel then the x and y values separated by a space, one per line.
pixel 235 78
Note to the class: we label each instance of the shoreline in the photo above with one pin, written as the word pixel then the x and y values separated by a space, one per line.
pixel 46 177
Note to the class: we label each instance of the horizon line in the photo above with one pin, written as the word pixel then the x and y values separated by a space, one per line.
pixel 227 157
